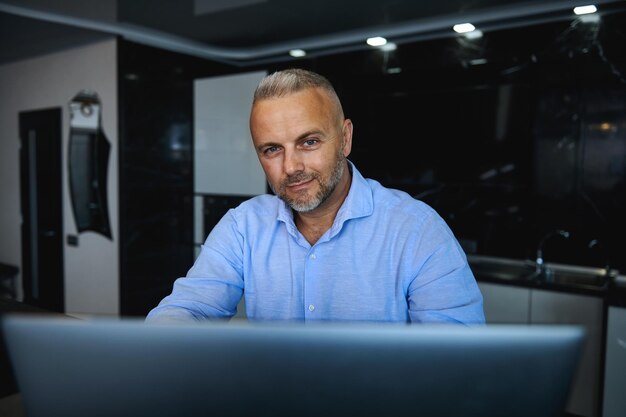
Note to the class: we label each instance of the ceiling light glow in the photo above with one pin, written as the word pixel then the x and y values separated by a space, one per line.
pixel 389 46
pixel 376 41
pixel 475 34
pixel 590 18
pixel 463 27
pixel 585 9
pixel 297 53
pixel 478 61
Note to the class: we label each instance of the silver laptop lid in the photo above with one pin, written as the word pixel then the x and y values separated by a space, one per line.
pixel 107 367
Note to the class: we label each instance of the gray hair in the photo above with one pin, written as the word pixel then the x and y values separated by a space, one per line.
pixel 292 80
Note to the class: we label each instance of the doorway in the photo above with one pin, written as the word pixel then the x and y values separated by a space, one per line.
pixel 42 208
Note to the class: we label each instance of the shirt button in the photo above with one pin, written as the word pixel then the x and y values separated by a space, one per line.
pixel 312 256
pixel 311 307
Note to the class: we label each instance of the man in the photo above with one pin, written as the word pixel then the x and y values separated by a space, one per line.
pixel 330 244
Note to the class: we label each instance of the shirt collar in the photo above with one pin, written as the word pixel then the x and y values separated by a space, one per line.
pixel 359 201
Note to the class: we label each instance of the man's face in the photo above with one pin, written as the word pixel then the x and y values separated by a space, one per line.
pixel 302 142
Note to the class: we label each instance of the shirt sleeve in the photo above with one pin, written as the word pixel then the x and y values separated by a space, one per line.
pixel 214 285
pixel 444 289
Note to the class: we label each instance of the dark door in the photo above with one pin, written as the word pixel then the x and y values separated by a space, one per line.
pixel 42 210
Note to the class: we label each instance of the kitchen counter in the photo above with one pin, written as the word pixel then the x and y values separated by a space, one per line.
pixel 564 278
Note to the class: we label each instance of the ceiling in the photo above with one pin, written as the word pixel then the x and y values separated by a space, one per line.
pixel 249 32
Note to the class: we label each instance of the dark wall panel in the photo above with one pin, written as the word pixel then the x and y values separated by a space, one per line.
pixel 156 171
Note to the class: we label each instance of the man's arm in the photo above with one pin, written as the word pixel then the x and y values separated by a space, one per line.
pixel 213 286
pixel 451 298
pixel 444 289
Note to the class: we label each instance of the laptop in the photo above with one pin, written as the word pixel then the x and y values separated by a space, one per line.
pixel 126 367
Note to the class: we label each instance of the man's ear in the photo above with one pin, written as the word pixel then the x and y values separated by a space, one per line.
pixel 347 137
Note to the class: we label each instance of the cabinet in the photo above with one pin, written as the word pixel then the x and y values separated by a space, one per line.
pixel 507 304
pixel 552 307
pixel 614 402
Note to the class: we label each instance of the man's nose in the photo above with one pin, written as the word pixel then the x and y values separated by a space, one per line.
pixel 292 162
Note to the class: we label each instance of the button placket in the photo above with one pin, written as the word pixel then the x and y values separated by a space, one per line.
pixel 310 266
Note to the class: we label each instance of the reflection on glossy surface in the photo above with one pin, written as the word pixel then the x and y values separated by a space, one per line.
pixel 585 280
pixel 497 269
pixel 524 271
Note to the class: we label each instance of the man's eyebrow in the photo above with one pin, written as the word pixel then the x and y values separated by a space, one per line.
pixel 301 136
pixel 260 146
pixel 309 133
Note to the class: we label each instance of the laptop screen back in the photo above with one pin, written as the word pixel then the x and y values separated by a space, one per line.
pixel 68 367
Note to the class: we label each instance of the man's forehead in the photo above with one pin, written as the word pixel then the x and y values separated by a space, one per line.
pixel 312 102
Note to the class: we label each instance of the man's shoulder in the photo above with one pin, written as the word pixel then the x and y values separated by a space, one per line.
pixel 395 199
pixel 256 212
pixel 263 203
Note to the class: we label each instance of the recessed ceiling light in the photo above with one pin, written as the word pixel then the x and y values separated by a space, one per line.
pixel 297 53
pixel 585 9
pixel 463 27
pixel 376 41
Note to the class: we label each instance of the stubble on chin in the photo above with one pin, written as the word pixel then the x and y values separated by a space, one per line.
pixel 303 202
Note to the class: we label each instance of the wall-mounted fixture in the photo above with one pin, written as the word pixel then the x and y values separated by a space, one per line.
pixel 88 164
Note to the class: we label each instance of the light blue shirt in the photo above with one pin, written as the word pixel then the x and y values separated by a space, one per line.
pixel 387 258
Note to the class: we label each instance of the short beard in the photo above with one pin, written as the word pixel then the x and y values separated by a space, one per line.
pixel 326 189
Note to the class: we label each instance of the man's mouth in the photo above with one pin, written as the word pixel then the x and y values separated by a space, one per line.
pixel 299 185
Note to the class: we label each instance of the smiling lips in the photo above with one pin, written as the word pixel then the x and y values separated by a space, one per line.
pixel 298 182
pixel 300 185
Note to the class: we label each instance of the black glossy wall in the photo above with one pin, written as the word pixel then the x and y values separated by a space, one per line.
pixel 508 136
pixel 156 171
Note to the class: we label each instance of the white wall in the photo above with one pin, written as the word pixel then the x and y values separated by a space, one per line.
pixel 225 161
pixel 92 268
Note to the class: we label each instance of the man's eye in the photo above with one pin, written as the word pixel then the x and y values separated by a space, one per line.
pixel 310 142
pixel 269 150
